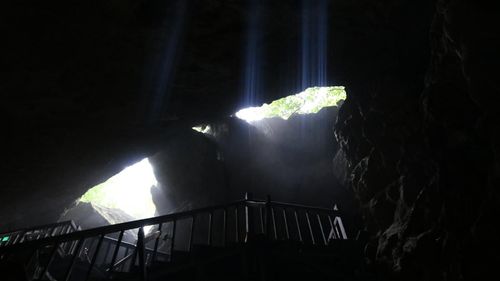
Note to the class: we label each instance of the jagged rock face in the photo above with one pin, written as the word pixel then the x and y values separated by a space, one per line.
pixel 425 171
pixel 88 215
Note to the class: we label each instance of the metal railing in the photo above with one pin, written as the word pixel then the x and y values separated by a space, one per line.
pixel 37 233
pixel 134 246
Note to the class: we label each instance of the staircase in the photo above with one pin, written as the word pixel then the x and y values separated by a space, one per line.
pixel 37 233
pixel 244 240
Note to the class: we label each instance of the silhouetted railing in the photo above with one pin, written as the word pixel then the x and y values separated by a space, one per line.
pixel 37 233
pixel 135 246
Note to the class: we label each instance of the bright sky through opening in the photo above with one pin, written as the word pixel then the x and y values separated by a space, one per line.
pixel 311 100
pixel 129 191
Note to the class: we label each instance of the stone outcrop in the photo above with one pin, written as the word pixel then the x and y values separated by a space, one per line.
pixel 425 168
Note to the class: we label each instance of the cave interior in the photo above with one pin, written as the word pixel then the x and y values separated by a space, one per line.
pixel 409 153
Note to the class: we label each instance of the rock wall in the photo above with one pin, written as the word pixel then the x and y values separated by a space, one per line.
pixel 425 167
pixel 290 160
pixel 189 173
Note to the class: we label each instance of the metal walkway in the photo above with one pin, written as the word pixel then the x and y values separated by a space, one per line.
pixel 61 253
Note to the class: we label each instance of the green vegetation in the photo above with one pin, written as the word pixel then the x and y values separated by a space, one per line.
pixel 100 195
pixel 129 191
pixel 205 129
pixel 309 101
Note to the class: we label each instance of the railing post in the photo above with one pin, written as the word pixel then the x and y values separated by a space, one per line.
pixel 123 261
pixel 224 227
pixel 248 217
pixel 62 230
pixel 321 229
pixel 332 234
pixel 237 225
pixel 310 228
pixel 261 218
pixel 94 256
pixel 19 237
pixel 140 253
pixel 299 232
pixel 191 236
pixel 49 262
pixel 106 252
pixel 73 260
pixel 339 226
pixel 115 252
pixel 273 220
pixel 172 240
pixel 210 225
pixel 285 221
pixel 155 250
pixel 268 217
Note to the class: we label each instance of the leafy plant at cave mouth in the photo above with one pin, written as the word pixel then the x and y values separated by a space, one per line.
pixel 129 191
pixel 309 101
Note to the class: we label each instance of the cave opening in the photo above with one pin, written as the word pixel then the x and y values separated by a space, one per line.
pixel 309 101
pixel 126 195
pixel 282 148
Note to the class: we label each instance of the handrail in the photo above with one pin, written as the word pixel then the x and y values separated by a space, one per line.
pixel 306 226
pixel 122 260
pixel 26 229
pixel 128 244
pixel 120 226
pixel 152 221
pixel 37 233
pixel 297 206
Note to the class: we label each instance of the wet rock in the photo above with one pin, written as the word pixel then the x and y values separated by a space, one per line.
pixel 439 166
